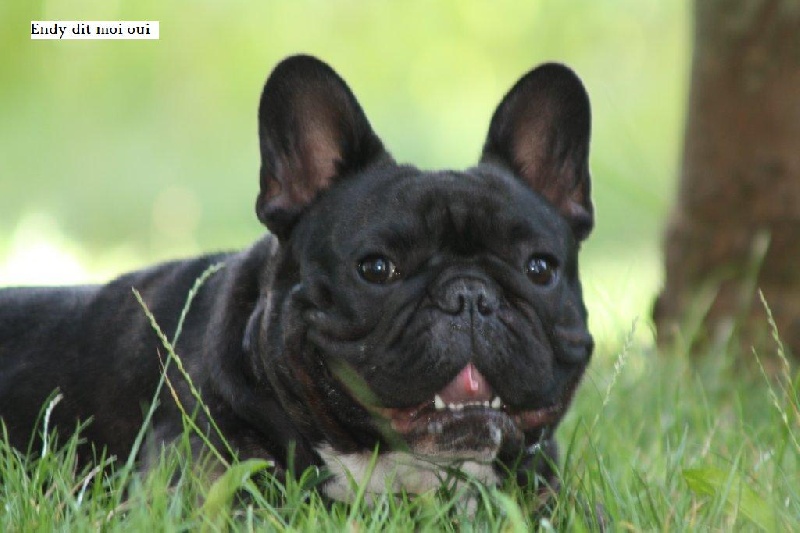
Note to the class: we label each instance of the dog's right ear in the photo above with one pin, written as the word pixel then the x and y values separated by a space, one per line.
pixel 312 132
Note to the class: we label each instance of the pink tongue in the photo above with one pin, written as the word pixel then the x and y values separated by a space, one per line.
pixel 468 385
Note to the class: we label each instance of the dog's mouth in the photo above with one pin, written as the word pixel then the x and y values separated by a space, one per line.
pixel 467 417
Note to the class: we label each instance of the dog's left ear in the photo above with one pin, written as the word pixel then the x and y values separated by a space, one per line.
pixel 541 132
pixel 312 132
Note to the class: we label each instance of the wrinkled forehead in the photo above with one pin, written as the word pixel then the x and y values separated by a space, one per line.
pixel 481 195
pixel 480 203
pixel 482 189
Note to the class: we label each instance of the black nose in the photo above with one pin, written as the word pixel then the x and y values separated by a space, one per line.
pixel 467 295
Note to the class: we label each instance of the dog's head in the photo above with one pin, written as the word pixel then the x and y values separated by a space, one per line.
pixel 435 312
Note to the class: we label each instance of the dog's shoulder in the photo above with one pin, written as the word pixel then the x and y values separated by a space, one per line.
pixel 111 310
pixel 28 312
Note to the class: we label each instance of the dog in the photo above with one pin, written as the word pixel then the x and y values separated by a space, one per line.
pixel 393 324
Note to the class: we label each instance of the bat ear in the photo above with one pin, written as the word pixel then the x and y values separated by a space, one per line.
pixel 312 132
pixel 541 131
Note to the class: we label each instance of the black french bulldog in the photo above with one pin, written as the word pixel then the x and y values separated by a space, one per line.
pixel 435 315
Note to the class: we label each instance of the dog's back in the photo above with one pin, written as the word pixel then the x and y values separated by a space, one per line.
pixel 40 332
pixel 93 344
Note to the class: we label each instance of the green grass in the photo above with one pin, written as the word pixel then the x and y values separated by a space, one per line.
pixel 658 441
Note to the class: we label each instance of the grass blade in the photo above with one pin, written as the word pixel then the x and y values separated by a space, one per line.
pixel 714 482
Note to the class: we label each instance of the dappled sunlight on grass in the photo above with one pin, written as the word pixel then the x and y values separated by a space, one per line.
pixel 37 252
pixel 619 288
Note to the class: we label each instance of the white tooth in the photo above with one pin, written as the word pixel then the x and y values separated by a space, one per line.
pixel 496 403
pixel 438 403
pixel 486 403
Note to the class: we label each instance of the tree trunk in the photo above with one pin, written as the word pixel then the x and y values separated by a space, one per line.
pixel 736 226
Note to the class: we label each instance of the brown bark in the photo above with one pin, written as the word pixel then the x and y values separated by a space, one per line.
pixel 736 225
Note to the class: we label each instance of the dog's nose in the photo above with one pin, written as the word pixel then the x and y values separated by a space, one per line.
pixel 467 295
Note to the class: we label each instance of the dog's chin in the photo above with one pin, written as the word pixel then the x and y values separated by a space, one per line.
pixel 460 422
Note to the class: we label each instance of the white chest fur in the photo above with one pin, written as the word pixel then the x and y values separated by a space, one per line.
pixel 393 472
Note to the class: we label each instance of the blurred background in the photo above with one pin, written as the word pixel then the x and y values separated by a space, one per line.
pixel 117 154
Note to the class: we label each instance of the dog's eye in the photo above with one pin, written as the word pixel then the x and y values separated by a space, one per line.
pixel 378 269
pixel 542 270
